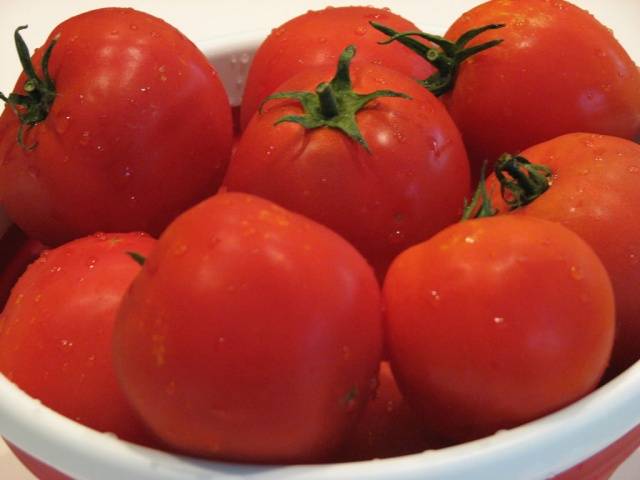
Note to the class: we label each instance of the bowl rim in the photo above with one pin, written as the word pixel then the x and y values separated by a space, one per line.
pixel 588 426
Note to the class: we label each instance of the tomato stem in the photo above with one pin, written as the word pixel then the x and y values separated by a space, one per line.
pixel 447 58
pixel 334 104
pixel 40 92
pixel 521 181
pixel 480 205
pixel 328 101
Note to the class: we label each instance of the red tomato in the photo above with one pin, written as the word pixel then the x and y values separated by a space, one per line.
pixel 16 253
pixel 315 39
pixel 410 183
pixel 497 321
pixel 557 71
pixel 55 331
pixel 139 129
pixel 388 426
pixel 594 192
pixel 251 334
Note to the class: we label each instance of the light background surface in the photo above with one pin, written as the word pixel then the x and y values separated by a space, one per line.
pixel 206 20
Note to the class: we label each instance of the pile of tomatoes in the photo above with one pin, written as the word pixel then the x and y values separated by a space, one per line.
pixel 320 282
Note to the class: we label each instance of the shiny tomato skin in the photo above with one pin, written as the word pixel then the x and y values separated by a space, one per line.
pixel 252 334
pixel 55 331
pixel 411 183
pixel 497 321
pixel 594 192
pixel 316 39
pixel 557 71
pixel 140 130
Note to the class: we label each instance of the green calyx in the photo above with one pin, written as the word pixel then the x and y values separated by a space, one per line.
pixel 138 258
pixel 35 104
pixel 480 205
pixel 334 104
pixel 521 181
pixel 447 58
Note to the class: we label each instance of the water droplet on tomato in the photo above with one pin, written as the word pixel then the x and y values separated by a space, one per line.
pixel 91 263
pixel 133 26
pixel 469 239
pixel 114 32
pixel 33 171
pixel 633 169
pixel 435 295
pixel 396 237
pixel 180 249
pixel 498 320
pixel 145 89
pixel 633 259
pixel 361 30
pixel 62 123
pixel 576 272
pixel 84 138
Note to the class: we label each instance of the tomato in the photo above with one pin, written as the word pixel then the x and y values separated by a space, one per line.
pixel 251 334
pixel 594 193
pixel 554 55
pixel 16 253
pixel 388 426
pixel 315 39
pixel 497 321
pixel 138 130
pixel 558 70
pixel 55 331
pixel 405 178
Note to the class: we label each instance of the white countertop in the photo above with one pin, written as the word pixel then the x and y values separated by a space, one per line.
pixel 203 20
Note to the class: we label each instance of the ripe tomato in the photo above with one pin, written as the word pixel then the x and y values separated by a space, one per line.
pixel 55 331
pixel 251 334
pixel 594 192
pixel 558 70
pixel 410 182
pixel 497 321
pixel 315 39
pixel 388 426
pixel 139 129
pixel 16 253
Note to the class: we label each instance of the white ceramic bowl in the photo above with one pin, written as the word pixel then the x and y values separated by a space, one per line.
pixel 606 421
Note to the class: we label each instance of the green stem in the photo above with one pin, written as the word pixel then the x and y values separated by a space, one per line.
pixel 328 101
pixel 137 257
pixel 446 58
pixel 334 104
pixel 480 205
pixel 35 105
pixel 521 181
